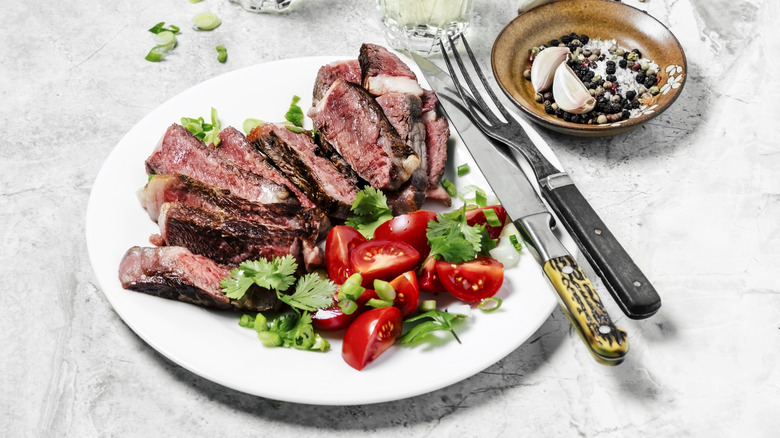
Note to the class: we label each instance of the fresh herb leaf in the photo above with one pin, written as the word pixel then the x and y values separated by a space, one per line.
pixel 370 211
pixel 290 329
pixel 452 239
pixel 311 293
pixel 432 320
pixel 276 274
pixel 294 115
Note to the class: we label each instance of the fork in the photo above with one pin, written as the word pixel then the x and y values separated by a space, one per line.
pixel 632 291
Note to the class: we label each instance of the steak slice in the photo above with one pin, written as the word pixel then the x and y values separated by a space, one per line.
pixel 235 148
pixel 348 70
pixel 175 273
pixel 404 111
pixel 383 72
pixel 317 169
pixel 437 133
pixel 179 152
pixel 353 122
pixel 224 238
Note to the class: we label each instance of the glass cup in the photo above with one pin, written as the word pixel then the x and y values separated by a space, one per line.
pixel 418 25
pixel 264 5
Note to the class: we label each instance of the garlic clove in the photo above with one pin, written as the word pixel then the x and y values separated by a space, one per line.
pixel 544 65
pixel 570 93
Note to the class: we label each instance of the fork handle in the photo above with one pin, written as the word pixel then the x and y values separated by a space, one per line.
pixel 632 291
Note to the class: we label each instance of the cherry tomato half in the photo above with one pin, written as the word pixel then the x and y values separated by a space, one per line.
pixel 428 279
pixel 409 228
pixel 407 293
pixel 373 332
pixel 382 259
pixel 472 281
pixel 477 216
pixel 339 243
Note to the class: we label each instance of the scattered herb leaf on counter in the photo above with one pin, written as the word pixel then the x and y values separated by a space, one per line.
pixel 370 211
pixel 435 320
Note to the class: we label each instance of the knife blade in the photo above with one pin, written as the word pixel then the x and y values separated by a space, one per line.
pixel 629 287
pixel 576 294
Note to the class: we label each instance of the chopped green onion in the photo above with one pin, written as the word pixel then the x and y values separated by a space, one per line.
pixel 261 323
pixel 250 124
pixel 348 306
pixel 384 290
pixel 515 242
pixel 485 305
pixel 247 321
pixel 427 305
pixel 157 53
pixel 492 217
pixel 463 169
pixel 373 302
pixel 160 27
pixel 195 1
pixel 294 114
pixel 206 21
pixel 481 198
pixel 166 38
pixel 269 338
pixel 449 187
pixel 293 128
pixel 221 54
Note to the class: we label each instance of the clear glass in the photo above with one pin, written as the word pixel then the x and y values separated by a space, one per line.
pixel 418 25
pixel 263 5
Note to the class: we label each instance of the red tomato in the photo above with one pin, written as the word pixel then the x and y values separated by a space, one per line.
pixel 373 332
pixel 339 243
pixel 409 228
pixel 407 293
pixel 382 259
pixel 472 281
pixel 429 278
pixel 477 216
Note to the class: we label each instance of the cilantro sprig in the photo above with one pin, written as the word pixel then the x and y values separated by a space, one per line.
pixel 431 321
pixel 369 210
pixel 452 239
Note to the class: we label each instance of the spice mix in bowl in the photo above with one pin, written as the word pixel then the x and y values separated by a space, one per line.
pixel 589 67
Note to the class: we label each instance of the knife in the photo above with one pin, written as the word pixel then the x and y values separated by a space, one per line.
pixel 629 287
pixel 576 294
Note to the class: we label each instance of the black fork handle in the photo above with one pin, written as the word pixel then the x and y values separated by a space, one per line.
pixel 632 291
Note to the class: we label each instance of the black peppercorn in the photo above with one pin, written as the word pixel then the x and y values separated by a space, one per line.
pixel 630 94
pixel 649 81
pixel 640 77
pixel 554 43
pixel 623 63
pixel 566 39
pixel 559 113
pixel 626 114
pixel 584 39
pixel 548 107
pixel 611 77
pixel 638 53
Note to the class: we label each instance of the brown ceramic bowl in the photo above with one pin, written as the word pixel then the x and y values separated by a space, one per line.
pixel 605 19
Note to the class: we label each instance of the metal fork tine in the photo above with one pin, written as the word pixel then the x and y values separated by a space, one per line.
pixel 485 108
pixel 487 87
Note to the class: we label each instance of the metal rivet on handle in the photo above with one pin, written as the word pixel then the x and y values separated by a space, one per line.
pixel 597 231
pixel 604 329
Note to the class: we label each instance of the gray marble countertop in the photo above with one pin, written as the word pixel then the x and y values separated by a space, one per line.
pixel 693 196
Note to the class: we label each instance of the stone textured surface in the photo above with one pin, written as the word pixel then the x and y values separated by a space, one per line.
pixel 694 196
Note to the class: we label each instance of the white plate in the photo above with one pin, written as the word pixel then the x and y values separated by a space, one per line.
pixel 211 344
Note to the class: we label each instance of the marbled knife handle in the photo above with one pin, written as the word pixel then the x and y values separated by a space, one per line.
pixel 583 307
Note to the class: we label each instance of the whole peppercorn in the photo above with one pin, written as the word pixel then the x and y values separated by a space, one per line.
pixel 654 90
pixel 559 113
pixel 538 98
pixel 601 119
pixel 630 94
pixel 626 114
pixel 584 39
pixel 640 77
pixel 548 108
pixel 611 78
pixel 554 43
pixel 610 63
pixel 649 81
pixel 623 63
pixel 547 95
pixel 527 73
pixel 566 39
pixel 607 85
pixel 638 53
pixel 611 70
pixel 566 116
pixel 634 104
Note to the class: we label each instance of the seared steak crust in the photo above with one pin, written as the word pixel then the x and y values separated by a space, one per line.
pixel 383 72
pixel 348 70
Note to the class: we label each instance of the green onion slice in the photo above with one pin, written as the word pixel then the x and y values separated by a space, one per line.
pixel 449 187
pixel 492 217
pixel 463 169
pixel 206 21
pixel 515 242
pixel 221 54
pixel 250 124
pixel 490 304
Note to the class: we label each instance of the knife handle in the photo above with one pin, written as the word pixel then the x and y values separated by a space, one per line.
pixel 582 305
pixel 632 291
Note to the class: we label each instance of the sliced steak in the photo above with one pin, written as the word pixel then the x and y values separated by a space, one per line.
pixel 235 148
pixel 224 238
pixel 437 131
pixel 317 169
pixel 307 223
pixel 175 273
pixel 179 152
pixel 383 72
pixel 348 70
pixel 404 111
pixel 353 122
